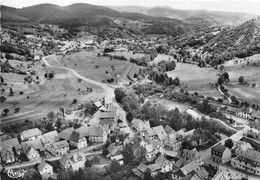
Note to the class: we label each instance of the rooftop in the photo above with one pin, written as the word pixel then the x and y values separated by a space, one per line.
pixel 30 133
pixel 219 148
pixel 251 154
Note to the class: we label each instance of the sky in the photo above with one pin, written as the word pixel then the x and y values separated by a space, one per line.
pixel 247 6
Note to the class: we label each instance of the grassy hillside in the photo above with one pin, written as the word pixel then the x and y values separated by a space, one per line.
pixel 93 16
pixel 241 41
pixel 196 17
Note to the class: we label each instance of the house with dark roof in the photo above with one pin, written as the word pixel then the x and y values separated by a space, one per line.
pixel 185 172
pixel 13 144
pixel 140 170
pixel 78 140
pixel 165 164
pixel 45 170
pixel 7 155
pixel 66 134
pixel 94 133
pixel 115 154
pixel 248 161
pixel 65 162
pixel 220 154
pixel 31 153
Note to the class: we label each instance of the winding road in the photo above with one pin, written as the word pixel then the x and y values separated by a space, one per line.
pixel 109 91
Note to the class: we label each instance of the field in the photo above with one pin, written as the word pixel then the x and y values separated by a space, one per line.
pixel 251 75
pixel 89 65
pixel 128 55
pixel 39 99
pixel 196 79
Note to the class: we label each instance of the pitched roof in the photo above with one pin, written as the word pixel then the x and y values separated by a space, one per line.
pixel 97 131
pixel 112 149
pixel 112 108
pixel 159 130
pixel 78 157
pixel 106 121
pixel 35 144
pixel 104 115
pixel 66 133
pixel 60 144
pixel 42 165
pixel 142 167
pixel 255 114
pixel 169 130
pixel 251 154
pixel 219 148
pixel 49 137
pixel 149 148
pixel 64 160
pixel 98 104
pixel 202 173
pixel 188 168
pixel 161 160
pixel 151 132
pixel 75 136
pixel 154 167
pixel 31 132
pixel 11 143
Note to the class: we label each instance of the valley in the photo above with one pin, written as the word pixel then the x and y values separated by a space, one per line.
pixel 138 93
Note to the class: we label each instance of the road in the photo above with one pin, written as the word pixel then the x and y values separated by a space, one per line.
pixel 108 89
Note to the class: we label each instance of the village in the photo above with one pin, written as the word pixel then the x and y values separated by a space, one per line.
pixel 107 138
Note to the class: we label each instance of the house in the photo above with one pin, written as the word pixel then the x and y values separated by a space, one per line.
pixel 45 170
pixel 140 170
pixel 65 162
pixel 115 154
pixel 30 134
pixel 35 144
pixel 150 134
pixel 245 112
pixel 162 135
pixel 231 110
pixel 108 101
pixel 7 155
pixel 155 169
pixel 169 130
pixel 13 144
pixel 157 146
pixel 112 108
pixel 185 172
pixel 94 133
pixel 49 137
pixel 98 104
pixel 255 115
pixel 200 174
pixel 78 161
pixel 78 140
pixel 31 153
pixel 242 147
pixel 165 164
pixel 97 134
pixel 149 153
pixel 194 114
pixel 140 126
pixel 108 120
pixel 248 161
pixel 220 154
pixel 66 134
pixel 60 148
pixel 172 143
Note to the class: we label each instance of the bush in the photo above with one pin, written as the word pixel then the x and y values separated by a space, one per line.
pixel 74 101
pixel 8 56
pixel 21 92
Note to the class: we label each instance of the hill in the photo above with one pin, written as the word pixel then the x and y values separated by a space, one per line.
pixel 99 17
pixel 240 41
pixel 198 17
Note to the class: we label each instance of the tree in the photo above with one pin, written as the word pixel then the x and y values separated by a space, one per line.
pixel 119 94
pixel 51 116
pixel 147 174
pixel 6 111
pixel 49 127
pixel 2 99
pixel 241 80
pixel 129 116
pixel 114 166
pixel 128 154
pixel 11 92
pixel 229 143
pixel 87 163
